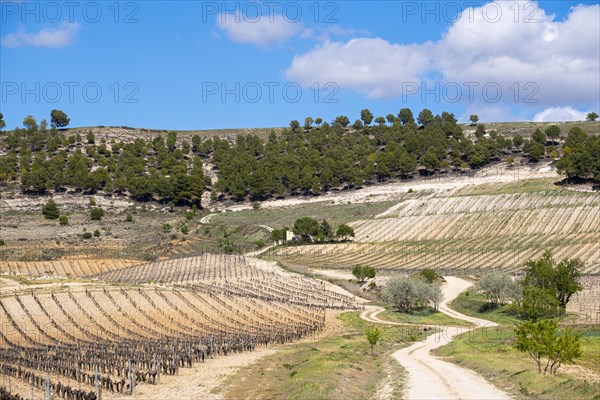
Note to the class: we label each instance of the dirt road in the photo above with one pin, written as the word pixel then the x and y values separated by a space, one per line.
pixel 431 378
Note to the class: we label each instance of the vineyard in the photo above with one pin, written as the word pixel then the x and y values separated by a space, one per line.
pixel 79 340
pixel 465 234
pixel 76 268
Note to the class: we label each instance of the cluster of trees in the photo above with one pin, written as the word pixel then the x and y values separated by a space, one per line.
pixel 543 292
pixel 541 295
pixel 308 159
pixel 407 294
pixel 311 159
pixel 548 286
pixel 50 210
pixel 47 160
pixel 581 156
pixel 308 229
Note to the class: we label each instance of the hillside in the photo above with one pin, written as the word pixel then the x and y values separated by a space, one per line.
pixel 154 187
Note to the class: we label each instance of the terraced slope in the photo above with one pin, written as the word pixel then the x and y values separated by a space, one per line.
pixel 461 233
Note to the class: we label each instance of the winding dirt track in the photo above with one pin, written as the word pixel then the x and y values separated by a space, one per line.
pixel 428 377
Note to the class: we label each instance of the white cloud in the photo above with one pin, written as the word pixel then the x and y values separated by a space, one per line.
pixel 59 36
pixel 371 66
pixel 556 114
pixel 261 32
pixel 560 58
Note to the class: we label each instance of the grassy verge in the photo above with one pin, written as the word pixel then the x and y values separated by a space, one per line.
pixel 521 186
pixel 424 317
pixel 474 305
pixel 286 216
pixel 489 351
pixel 337 367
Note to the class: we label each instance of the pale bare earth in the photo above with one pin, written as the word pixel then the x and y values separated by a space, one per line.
pixel 203 381
pixel 391 191
pixel 428 377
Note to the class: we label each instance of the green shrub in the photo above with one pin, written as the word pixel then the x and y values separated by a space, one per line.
pixel 50 210
pixel 129 217
pixel 96 213
pixel 87 235
pixel 63 220
pixel 429 275
pixel 184 229
pixel 362 272
pixel 96 233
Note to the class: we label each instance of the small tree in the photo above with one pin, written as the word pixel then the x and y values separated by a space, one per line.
pixel 538 303
pixel 96 213
pixel 498 288
pixel 2 123
pixel 406 116
pixel 184 229
pixel 474 119
pixel 553 132
pixel 366 116
pixel 306 227
pixel 518 140
pixel 357 125
pixel 30 123
pixel 91 139
pixel 373 334
pixel 539 136
pixel 63 220
pixel 344 232
pixel 50 210
pixel 308 121
pixel 256 205
pixel 129 217
pixel 536 151
pixel 342 120
pixel 279 235
pixel 566 349
pixel 325 231
pixel 407 294
pixel 480 131
pixel 560 281
pixel 363 272
pixel 539 340
pixel 429 275
pixel 590 117
pixel 96 233
pixel 58 119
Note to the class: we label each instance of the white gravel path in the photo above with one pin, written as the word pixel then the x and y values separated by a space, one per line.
pixel 429 377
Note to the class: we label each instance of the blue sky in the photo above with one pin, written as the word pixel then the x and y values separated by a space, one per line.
pixel 207 65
